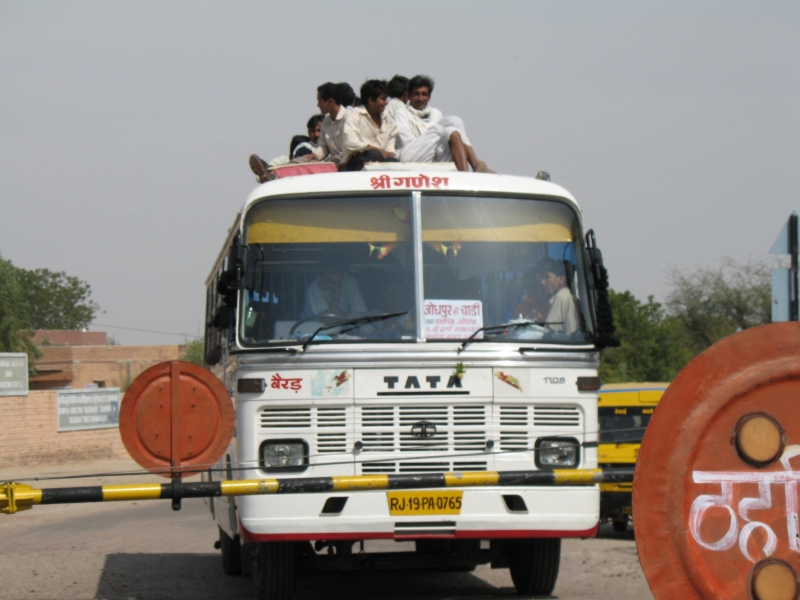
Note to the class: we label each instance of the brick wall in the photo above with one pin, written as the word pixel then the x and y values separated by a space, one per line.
pixel 29 434
pixel 109 366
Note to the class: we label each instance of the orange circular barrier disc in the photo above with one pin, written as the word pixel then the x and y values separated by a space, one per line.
pixel 715 492
pixel 204 424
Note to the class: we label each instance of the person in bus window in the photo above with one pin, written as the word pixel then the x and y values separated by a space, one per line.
pixel 424 135
pixel 536 301
pixel 369 133
pixel 333 293
pixel 563 312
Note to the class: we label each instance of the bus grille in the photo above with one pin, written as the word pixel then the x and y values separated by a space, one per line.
pixel 516 421
pixel 388 428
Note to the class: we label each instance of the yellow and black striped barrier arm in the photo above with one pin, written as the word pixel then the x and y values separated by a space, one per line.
pixel 19 496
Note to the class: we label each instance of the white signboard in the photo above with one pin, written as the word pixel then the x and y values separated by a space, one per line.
pixel 452 319
pixel 88 409
pixel 13 374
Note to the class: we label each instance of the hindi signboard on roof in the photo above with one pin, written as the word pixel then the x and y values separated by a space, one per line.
pixel 452 319
pixel 88 409
pixel 13 374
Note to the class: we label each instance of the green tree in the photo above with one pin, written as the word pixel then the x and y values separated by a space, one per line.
pixel 15 330
pixel 651 346
pixel 56 300
pixel 713 303
pixel 194 352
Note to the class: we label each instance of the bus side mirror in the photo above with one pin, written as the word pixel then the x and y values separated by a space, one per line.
pixel 232 279
pixel 597 280
pixel 223 318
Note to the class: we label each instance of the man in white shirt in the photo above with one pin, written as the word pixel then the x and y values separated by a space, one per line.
pixel 398 94
pixel 331 139
pixel 563 313
pixel 369 133
pixel 424 135
pixel 333 293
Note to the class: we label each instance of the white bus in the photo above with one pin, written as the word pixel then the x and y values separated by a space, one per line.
pixel 403 322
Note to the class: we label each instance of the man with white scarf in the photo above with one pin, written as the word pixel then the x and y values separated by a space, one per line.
pixel 424 135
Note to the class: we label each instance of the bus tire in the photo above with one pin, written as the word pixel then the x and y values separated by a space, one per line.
pixel 275 570
pixel 231 554
pixel 534 565
pixel 620 526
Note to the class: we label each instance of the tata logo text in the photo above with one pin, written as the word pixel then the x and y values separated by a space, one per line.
pixel 430 385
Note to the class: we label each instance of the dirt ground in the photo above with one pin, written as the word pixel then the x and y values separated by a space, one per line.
pixel 145 551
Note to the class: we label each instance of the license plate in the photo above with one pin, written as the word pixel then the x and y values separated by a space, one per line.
pixel 434 502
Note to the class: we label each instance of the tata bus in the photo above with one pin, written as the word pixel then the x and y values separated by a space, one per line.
pixel 370 323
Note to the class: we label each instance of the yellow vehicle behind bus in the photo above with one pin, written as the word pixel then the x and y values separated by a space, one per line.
pixel 624 410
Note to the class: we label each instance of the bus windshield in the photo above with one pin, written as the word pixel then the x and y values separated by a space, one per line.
pixel 486 261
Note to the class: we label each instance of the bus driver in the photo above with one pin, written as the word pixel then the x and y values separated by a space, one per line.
pixel 333 293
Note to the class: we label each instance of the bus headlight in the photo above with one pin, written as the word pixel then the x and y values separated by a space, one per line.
pixel 284 455
pixel 557 453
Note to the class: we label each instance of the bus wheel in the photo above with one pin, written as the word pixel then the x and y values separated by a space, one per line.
pixel 534 564
pixel 620 526
pixel 275 570
pixel 231 554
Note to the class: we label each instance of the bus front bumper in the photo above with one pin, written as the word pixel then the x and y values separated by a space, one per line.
pixel 484 514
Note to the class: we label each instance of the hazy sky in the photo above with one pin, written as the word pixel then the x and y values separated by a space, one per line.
pixel 125 127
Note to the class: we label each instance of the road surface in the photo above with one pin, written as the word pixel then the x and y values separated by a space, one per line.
pixel 145 551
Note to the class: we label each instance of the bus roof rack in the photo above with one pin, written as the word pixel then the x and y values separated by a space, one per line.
pixel 410 166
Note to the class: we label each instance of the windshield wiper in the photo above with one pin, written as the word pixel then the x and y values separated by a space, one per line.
pixel 488 328
pixel 275 349
pixel 359 321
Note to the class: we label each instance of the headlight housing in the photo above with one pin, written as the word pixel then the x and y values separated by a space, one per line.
pixel 285 456
pixel 557 453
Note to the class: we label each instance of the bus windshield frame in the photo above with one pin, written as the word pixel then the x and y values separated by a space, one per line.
pixel 459 261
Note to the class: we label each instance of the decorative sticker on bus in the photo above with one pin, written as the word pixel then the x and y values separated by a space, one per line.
pixel 509 379
pixel 452 319
pixel 331 384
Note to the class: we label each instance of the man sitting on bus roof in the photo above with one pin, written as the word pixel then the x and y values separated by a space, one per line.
pixel 349 98
pixel 424 135
pixel 331 139
pixel 398 94
pixel 369 133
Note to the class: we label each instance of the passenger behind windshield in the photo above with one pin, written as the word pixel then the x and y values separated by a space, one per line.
pixel 562 314
pixel 333 293
pixel 536 300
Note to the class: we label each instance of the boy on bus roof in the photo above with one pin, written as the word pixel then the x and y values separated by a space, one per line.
pixel 398 94
pixel 314 127
pixel 424 135
pixel 369 132
pixel 300 145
